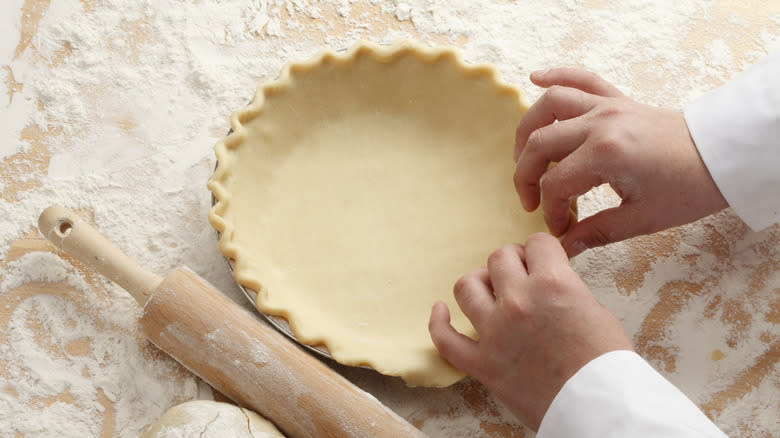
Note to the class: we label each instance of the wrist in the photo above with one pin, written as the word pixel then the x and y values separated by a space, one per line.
pixel 706 189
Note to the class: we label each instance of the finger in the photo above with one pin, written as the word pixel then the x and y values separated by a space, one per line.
pixel 458 349
pixel 545 145
pixel 584 80
pixel 557 103
pixel 571 177
pixel 506 268
pixel 611 225
pixel 543 253
pixel 474 295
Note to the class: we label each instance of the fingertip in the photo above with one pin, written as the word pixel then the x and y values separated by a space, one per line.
pixel 440 307
pixel 607 226
pixel 578 247
pixel 440 315
pixel 528 194
pixel 455 347
pixel 530 203
pixel 537 76
pixel 439 325
pixel 575 241
pixel 557 223
pixel 574 247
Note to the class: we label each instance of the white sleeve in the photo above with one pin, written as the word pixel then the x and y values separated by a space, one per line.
pixel 736 129
pixel 618 394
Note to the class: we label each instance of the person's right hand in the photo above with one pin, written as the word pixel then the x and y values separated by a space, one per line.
pixel 597 135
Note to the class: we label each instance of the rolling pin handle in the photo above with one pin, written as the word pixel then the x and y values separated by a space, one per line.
pixel 76 237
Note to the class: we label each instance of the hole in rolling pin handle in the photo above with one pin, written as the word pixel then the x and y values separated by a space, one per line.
pixel 64 228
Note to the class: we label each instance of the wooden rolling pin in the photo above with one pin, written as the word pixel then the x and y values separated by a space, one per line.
pixel 228 347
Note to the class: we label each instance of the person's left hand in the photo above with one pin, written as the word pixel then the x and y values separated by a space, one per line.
pixel 537 323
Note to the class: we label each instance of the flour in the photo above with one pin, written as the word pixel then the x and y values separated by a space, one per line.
pixel 58 384
pixel 127 98
pixel 39 266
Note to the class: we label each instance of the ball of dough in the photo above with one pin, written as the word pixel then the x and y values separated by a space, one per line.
pixel 210 419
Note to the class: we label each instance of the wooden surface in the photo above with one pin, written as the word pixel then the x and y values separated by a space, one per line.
pixel 746 263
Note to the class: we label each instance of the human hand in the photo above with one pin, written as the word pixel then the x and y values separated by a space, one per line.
pixel 537 324
pixel 645 153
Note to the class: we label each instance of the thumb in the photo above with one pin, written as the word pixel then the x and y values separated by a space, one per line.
pixel 608 226
pixel 456 348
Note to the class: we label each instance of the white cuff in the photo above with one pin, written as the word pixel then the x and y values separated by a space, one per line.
pixel 618 394
pixel 736 129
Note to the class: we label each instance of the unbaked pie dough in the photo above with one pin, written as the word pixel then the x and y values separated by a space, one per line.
pixel 358 187
pixel 210 419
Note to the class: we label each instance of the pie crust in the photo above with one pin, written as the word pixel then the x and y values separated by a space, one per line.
pixel 359 186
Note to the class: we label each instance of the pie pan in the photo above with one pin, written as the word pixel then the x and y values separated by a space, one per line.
pixel 357 187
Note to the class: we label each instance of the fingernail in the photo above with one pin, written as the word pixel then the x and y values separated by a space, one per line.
pixel 579 246
pixel 540 73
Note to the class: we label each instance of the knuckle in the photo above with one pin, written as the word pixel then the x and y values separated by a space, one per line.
pixel 598 237
pixel 503 253
pixel 519 129
pixel 612 146
pixel 547 184
pixel 539 239
pixel 554 283
pixel 517 308
pixel 535 141
pixel 591 76
pixel 495 256
pixel 551 189
pixel 459 289
pixel 610 109
pixel 610 142
pixel 549 280
pixel 465 285
pixel 556 93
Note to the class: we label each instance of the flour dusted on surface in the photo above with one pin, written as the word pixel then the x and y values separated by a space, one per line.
pixel 39 266
pixel 113 107
pixel 71 351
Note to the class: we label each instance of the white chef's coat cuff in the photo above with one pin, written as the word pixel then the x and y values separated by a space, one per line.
pixel 618 394
pixel 736 129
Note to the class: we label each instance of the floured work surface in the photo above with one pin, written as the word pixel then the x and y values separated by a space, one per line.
pixel 113 108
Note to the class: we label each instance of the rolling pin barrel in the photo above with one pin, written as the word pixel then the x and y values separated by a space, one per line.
pixel 259 368
pixel 230 348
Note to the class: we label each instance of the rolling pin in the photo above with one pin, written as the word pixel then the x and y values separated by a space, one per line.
pixel 228 347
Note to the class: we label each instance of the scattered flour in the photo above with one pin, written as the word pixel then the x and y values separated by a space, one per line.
pixel 125 99
pixel 39 266
pixel 69 353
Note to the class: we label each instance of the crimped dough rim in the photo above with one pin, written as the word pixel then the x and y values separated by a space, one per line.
pixel 218 181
